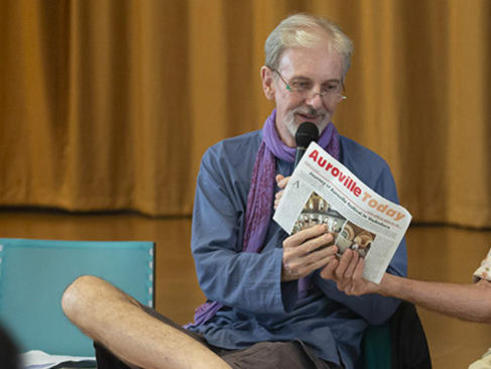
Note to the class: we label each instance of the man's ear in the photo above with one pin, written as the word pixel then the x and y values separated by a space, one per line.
pixel 268 85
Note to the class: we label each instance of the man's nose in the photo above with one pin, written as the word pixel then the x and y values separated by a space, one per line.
pixel 315 100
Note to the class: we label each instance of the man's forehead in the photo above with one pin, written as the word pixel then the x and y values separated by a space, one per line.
pixel 319 62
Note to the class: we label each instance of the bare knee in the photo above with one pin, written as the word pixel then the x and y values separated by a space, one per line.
pixel 80 294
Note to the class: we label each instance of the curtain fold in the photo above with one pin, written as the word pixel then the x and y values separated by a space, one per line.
pixel 109 104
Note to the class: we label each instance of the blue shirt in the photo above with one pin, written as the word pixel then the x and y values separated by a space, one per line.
pixel 258 305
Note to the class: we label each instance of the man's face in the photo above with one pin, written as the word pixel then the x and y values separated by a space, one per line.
pixel 318 65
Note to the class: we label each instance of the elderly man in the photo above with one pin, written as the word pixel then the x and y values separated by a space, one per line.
pixel 268 306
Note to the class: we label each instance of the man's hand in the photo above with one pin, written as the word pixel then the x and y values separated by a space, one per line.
pixel 281 182
pixel 347 272
pixel 304 252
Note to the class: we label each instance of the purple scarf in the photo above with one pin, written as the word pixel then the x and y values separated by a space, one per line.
pixel 260 197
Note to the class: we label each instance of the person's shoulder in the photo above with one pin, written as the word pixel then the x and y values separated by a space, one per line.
pixel 369 167
pixel 359 157
pixel 234 150
pixel 244 141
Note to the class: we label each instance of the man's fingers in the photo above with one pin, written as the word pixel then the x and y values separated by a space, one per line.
pixel 328 271
pixel 320 263
pixel 354 283
pixel 304 235
pixel 358 273
pixel 343 264
pixel 352 265
pixel 305 252
pixel 277 199
pixel 282 181
pixel 322 255
pixel 315 244
pixel 309 252
pixel 301 267
pixel 347 272
pixel 278 178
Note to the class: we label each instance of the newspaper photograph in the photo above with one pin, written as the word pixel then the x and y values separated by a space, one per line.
pixel 323 191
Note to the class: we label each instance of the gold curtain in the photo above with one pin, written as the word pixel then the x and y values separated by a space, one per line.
pixel 109 104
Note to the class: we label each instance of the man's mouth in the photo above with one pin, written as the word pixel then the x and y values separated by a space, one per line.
pixel 309 117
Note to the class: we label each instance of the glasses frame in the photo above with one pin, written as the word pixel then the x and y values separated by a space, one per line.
pixel 324 95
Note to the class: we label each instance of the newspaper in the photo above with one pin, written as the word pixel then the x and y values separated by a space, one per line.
pixel 322 190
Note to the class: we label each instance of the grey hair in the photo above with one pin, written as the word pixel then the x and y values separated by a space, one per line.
pixel 306 30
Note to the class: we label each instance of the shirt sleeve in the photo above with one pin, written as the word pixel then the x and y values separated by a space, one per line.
pixel 375 309
pixel 248 281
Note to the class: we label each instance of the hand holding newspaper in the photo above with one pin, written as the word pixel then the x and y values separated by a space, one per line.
pixel 323 191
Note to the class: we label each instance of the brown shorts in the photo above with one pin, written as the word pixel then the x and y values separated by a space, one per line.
pixel 262 355
pixel 281 355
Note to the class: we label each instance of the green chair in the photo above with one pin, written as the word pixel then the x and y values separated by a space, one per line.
pixel 34 274
pixel 399 344
pixel 377 347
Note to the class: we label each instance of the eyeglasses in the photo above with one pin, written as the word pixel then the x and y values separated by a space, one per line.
pixel 329 92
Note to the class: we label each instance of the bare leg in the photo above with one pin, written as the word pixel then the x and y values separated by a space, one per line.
pixel 114 319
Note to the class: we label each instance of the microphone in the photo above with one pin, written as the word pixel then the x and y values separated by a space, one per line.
pixel 306 133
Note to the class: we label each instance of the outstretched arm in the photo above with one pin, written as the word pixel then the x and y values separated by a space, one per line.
pixel 464 301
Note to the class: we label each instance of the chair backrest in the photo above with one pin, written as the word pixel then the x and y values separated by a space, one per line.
pixel 399 343
pixel 34 274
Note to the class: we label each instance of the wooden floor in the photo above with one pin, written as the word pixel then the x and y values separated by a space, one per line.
pixel 435 253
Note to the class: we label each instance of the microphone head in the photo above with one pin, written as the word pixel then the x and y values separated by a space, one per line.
pixel 306 133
